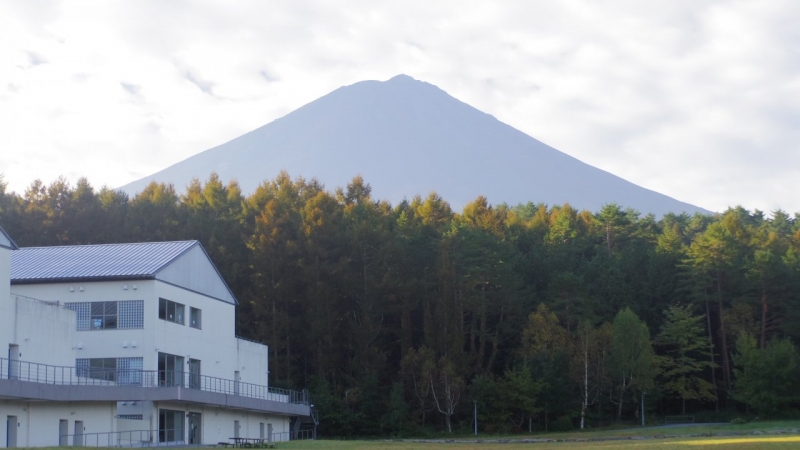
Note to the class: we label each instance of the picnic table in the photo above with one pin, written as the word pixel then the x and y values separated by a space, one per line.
pixel 243 442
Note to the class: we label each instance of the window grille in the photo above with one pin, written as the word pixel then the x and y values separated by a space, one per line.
pixel 131 314
pixel 129 371
pixel 82 367
pixel 108 315
pixel 83 313
pixel 126 371
pixel 131 416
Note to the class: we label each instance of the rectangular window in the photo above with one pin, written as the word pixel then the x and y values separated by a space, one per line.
pixel 171 371
pixel 130 416
pixel 170 425
pixel 127 371
pixel 195 318
pixel 170 311
pixel 131 314
pixel 108 315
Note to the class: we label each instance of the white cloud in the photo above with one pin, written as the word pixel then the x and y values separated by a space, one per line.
pixel 696 100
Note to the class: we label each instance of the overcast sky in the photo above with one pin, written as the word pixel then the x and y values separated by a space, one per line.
pixel 697 100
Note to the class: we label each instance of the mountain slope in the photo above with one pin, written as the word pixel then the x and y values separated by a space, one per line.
pixel 407 137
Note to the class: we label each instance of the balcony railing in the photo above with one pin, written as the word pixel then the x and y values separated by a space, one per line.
pixel 90 376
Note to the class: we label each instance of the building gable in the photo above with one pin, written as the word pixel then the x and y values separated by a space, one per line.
pixel 6 241
pixel 193 270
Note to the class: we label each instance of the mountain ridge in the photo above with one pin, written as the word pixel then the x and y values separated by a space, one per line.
pixel 409 137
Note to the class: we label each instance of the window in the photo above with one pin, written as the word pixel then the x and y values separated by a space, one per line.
pixel 104 316
pixel 170 311
pixel 108 315
pixel 131 314
pixel 170 425
pixel 170 370
pixel 195 318
pixel 126 371
pixel 130 416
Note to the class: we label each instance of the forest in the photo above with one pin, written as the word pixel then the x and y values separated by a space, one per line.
pixel 404 319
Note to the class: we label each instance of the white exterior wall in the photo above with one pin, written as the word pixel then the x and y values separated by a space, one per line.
pixel 38 421
pixel 45 333
pixel 6 308
pixel 102 343
pixel 215 345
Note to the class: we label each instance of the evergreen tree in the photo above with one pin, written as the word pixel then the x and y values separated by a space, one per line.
pixel 684 360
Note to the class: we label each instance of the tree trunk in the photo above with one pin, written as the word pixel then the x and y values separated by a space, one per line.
pixel 726 366
pixel 621 398
pixel 711 348
pixel 763 318
pixel 585 384
pixel 546 404
pixel 583 414
pixel 449 424
pixel 683 406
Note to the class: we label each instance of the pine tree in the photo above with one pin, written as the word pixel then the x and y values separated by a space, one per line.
pixel 685 359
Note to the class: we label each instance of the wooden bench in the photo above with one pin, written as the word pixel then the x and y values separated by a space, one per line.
pixel 679 419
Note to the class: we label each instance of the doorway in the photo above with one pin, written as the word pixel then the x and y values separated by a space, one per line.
pixel 236 377
pixel 170 425
pixel 11 431
pixel 77 436
pixel 63 433
pixel 13 362
pixel 269 432
pixel 170 370
pixel 195 429
pixel 194 373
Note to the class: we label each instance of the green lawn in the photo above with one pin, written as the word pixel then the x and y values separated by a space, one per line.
pixel 720 437
pixel 748 442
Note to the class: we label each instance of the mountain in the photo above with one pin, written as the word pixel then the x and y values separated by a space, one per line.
pixel 408 137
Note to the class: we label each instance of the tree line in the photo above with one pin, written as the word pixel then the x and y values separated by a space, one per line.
pixel 403 319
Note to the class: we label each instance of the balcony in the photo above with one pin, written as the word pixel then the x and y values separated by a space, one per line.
pixel 27 380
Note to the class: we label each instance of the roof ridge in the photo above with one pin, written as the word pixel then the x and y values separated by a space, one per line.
pixel 110 244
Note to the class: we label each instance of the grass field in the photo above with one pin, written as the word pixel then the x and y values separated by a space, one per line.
pixel 750 442
pixel 718 437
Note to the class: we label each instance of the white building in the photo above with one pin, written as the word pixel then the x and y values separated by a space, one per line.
pixel 130 344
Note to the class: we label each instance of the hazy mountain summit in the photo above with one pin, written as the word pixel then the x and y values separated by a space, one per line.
pixel 408 137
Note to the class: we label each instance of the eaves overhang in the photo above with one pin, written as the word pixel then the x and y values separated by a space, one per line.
pixel 80 279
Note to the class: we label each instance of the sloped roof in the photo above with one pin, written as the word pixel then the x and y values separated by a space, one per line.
pixel 6 241
pixel 106 262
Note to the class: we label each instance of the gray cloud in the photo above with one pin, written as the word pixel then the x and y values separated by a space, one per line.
pixel 35 59
pixel 131 88
pixel 205 86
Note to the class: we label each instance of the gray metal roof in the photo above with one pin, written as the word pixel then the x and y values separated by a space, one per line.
pixel 6 241
pixel 182 263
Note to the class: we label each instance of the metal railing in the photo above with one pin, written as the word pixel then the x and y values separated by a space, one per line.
pixel 300 435
pixel 55 303
pixel 90 376
pixel 160 438
pixel 130 438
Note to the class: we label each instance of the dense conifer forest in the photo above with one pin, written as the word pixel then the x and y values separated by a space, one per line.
pixel 402 318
